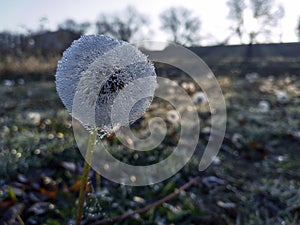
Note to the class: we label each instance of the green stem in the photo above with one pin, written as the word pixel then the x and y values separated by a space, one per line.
pixel 20 220
pixel 98 181
pixel 84 179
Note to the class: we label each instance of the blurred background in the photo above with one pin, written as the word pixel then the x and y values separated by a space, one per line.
pixel 253 48
pixel 214 22
pixel 44 29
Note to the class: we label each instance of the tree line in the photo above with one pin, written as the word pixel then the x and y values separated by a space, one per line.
pixel 183 26
pixel 251 21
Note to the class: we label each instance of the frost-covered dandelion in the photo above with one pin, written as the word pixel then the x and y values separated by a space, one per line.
pixel 96 81
pixel 94 71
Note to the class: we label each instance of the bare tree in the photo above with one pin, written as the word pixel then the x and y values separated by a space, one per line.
pixel 268 16
pixel 72 25
pixel 43 21
pixel 236 8
pixel 123 27
pixel 298 29
pixel 264 15
pixel 182 26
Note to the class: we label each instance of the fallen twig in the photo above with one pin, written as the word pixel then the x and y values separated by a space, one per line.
pixel 148 207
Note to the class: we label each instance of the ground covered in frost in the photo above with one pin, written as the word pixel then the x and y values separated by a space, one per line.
pixel 255 179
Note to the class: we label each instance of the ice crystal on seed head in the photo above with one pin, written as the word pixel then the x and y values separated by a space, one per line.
pixel 94 71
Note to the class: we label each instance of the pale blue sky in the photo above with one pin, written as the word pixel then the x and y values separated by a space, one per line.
pixel 213 14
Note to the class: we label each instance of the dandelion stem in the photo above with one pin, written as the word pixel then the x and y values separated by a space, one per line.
pixel 84 179
pixel 98 181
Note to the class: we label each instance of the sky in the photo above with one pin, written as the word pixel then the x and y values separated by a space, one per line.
pixel 18 15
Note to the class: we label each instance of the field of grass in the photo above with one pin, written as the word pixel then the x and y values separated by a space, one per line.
pixel 253 180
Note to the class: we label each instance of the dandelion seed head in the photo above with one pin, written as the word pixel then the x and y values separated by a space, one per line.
pixel 173 116
pixel 263 106
pixel 282 97
pixel 34 117
pixel 199 98
pixel 94 71
pixel 252 77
